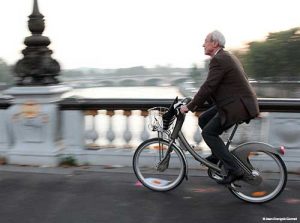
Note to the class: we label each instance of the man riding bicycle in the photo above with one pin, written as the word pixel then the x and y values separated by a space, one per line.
pixel 234 101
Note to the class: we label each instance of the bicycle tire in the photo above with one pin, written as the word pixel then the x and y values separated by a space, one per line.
pixel 146 159
pixel 270 180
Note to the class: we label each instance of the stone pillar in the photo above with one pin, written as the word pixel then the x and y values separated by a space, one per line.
pixel 33 119
pixel 34 123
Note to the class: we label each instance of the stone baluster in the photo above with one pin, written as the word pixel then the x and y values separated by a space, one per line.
pixel 197 135
pixel 110 134
pixel 145 133
pixel 127 135
pixel 91 134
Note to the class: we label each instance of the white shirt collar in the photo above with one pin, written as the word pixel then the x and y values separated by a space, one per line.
pixel 218 50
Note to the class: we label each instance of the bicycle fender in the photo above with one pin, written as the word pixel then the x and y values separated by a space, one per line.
pixel 242 151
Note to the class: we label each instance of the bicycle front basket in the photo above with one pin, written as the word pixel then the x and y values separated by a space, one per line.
pixel 155 116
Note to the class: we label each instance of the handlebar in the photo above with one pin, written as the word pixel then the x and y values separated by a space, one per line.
pixel 178 104
pixel 174 111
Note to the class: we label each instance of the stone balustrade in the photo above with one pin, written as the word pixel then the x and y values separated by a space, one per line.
pixel 107 131
pixel 121 124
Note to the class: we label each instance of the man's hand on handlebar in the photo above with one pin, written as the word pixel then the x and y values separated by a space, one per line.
pixel 184 109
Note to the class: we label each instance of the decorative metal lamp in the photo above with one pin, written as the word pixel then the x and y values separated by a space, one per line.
pixel 37 67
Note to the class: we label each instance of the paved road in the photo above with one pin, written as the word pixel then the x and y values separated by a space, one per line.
pixel 96 195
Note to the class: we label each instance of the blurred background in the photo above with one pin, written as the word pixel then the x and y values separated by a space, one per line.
pixel 140 48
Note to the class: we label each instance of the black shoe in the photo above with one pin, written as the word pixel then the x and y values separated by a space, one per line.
pixel 231 178
pixel 212 159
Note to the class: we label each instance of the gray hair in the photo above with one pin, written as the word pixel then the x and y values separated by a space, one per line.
pixel 217 36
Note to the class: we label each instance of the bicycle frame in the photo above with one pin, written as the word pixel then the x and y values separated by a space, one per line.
pixel 177 134
pixel 196 156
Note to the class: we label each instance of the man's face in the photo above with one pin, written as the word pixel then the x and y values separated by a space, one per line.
pixel 209 46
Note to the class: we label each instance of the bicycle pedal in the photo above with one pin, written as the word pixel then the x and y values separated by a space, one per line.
pixel 236 185
pixel 232 186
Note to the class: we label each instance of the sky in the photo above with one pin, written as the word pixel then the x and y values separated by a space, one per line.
pixel 127 33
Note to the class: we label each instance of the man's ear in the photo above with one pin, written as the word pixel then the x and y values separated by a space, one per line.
pixel 215 44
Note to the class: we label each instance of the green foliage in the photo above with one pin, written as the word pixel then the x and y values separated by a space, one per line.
pixel 276 58
pixel 68 161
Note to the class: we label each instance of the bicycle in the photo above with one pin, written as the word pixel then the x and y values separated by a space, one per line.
pixel 160 163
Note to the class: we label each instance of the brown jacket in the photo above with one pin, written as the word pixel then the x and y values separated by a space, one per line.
pixel 228 87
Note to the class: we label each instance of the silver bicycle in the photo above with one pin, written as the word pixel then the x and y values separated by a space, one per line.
pixel 160 163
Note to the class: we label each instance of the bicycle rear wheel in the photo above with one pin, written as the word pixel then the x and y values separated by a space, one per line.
pixel 267 180
pixel 146 161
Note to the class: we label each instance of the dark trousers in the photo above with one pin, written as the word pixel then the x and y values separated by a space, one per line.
pixel 210 123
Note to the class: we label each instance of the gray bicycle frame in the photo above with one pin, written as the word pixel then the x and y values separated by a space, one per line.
pixel 196 156
pixel 177 134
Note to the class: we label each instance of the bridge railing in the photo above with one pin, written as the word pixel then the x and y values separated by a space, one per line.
pixel 92 129
pixel 265 104
pixel 116 122
pixel 122 123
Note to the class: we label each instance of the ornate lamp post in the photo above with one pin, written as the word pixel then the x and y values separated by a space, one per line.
pixel 37 67
pixel 33 118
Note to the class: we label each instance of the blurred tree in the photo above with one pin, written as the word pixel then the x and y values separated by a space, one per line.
pixel 276 58
pixel 6 76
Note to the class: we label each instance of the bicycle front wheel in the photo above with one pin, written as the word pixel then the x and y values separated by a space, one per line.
pixel 267 180
pixel 146 165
